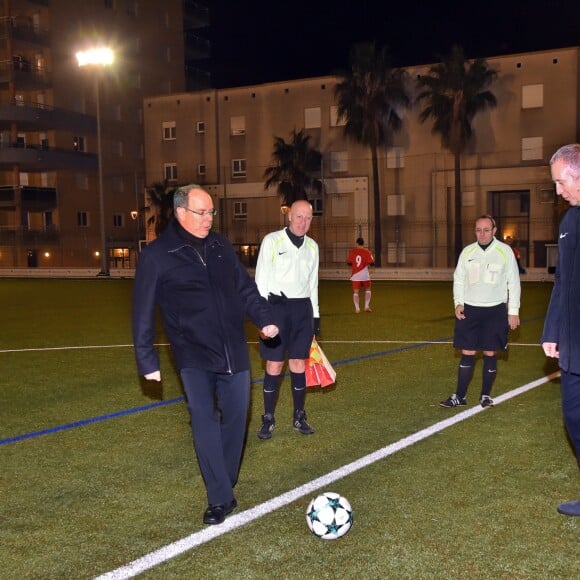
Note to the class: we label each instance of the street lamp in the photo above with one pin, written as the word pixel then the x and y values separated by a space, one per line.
pixel 99 57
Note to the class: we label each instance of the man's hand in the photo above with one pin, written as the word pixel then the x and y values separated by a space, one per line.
pixel 513 321
pixel 154 376
pixel 551 349
pixel 459 312
pixel 316 326
pixel 269 331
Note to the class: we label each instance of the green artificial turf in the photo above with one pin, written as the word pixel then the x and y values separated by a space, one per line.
pixel 475 500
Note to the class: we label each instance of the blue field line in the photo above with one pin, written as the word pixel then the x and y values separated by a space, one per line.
pixel 108 416
pixel 84 422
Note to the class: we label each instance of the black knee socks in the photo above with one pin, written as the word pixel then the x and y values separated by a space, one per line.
pixel 271 384
pixel 298 382
pixel 489 374
pixel 464 374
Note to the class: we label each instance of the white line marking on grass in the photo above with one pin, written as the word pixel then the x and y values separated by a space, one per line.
pixel 237 521
pixel 46 348
pixel 73 347
pixel 322 341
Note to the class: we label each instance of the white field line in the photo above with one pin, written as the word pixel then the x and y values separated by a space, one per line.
pixel 237 521
pixel 88 347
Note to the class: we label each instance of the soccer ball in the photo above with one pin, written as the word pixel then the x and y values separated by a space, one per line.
pixel 329 516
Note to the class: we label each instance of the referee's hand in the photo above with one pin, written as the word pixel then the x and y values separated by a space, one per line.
pixel 316 326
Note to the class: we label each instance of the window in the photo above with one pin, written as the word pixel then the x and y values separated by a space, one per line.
pixel 47 219
pixel 23 178
pixel 201 169
pixel 334 121
pixel 82 219
pixel 132 7
pixel 118 221
pixel 21 140
pixel 238 125
pixel 312 118
pixel 79 143
pixel 395 158
pixel 139 185
pixel 43 138
pixel 532 148
pixel 338 161
pixel 200 127
pixel 169 131
pixel 240 210
pixel 340 206
pixel 170 171
pixel 317 206
pixel 532 96
pixel 238 168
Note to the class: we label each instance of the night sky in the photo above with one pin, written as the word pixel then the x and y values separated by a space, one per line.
pixel 257 41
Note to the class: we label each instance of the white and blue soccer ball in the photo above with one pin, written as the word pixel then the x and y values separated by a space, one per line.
pixel 329 516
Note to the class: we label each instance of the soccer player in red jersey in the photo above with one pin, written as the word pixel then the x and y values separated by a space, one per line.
pixel 360 258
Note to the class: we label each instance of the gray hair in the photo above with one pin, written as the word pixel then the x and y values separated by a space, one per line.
pixel 180 195
pixel 570 156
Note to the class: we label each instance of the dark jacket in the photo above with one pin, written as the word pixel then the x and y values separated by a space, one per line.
pixel 203 303
pixel 562 324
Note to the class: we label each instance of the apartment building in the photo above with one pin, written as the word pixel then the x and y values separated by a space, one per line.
pixel 223 139
pixel 53 190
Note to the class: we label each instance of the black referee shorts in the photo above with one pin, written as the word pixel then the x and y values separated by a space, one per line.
pixel 293 317
pixel 483 328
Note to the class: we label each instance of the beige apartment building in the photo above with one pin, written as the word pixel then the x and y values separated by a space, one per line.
pixel 223 139
pixel 51 110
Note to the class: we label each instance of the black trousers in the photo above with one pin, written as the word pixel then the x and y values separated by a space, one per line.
pixel 570 389
pixel 218 406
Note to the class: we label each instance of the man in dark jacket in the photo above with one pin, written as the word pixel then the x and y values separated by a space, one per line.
pixel 561 336
pixel 204 294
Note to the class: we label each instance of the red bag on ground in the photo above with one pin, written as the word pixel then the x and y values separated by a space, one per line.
pixel 319 371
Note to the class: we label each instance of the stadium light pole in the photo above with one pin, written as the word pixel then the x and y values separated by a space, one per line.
pixel 99 58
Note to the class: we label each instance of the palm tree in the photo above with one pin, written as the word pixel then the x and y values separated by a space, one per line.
pixel 454 91
pixel 160 205
pixel 294 164
pixel 370 97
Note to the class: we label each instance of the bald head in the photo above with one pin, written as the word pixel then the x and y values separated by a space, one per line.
pixel 300 217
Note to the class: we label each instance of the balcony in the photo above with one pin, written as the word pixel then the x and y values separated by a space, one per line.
pixel 196 78
pixel 18 235
pixel 196 47
pixel 29 197
pixel 38 117
pixel 22 30
pixel 25 75
pixel 195 15
pixel 32 158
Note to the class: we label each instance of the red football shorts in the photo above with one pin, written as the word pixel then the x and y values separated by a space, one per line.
pixel 356 284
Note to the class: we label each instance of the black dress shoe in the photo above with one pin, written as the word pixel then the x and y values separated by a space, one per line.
pixel 216 514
